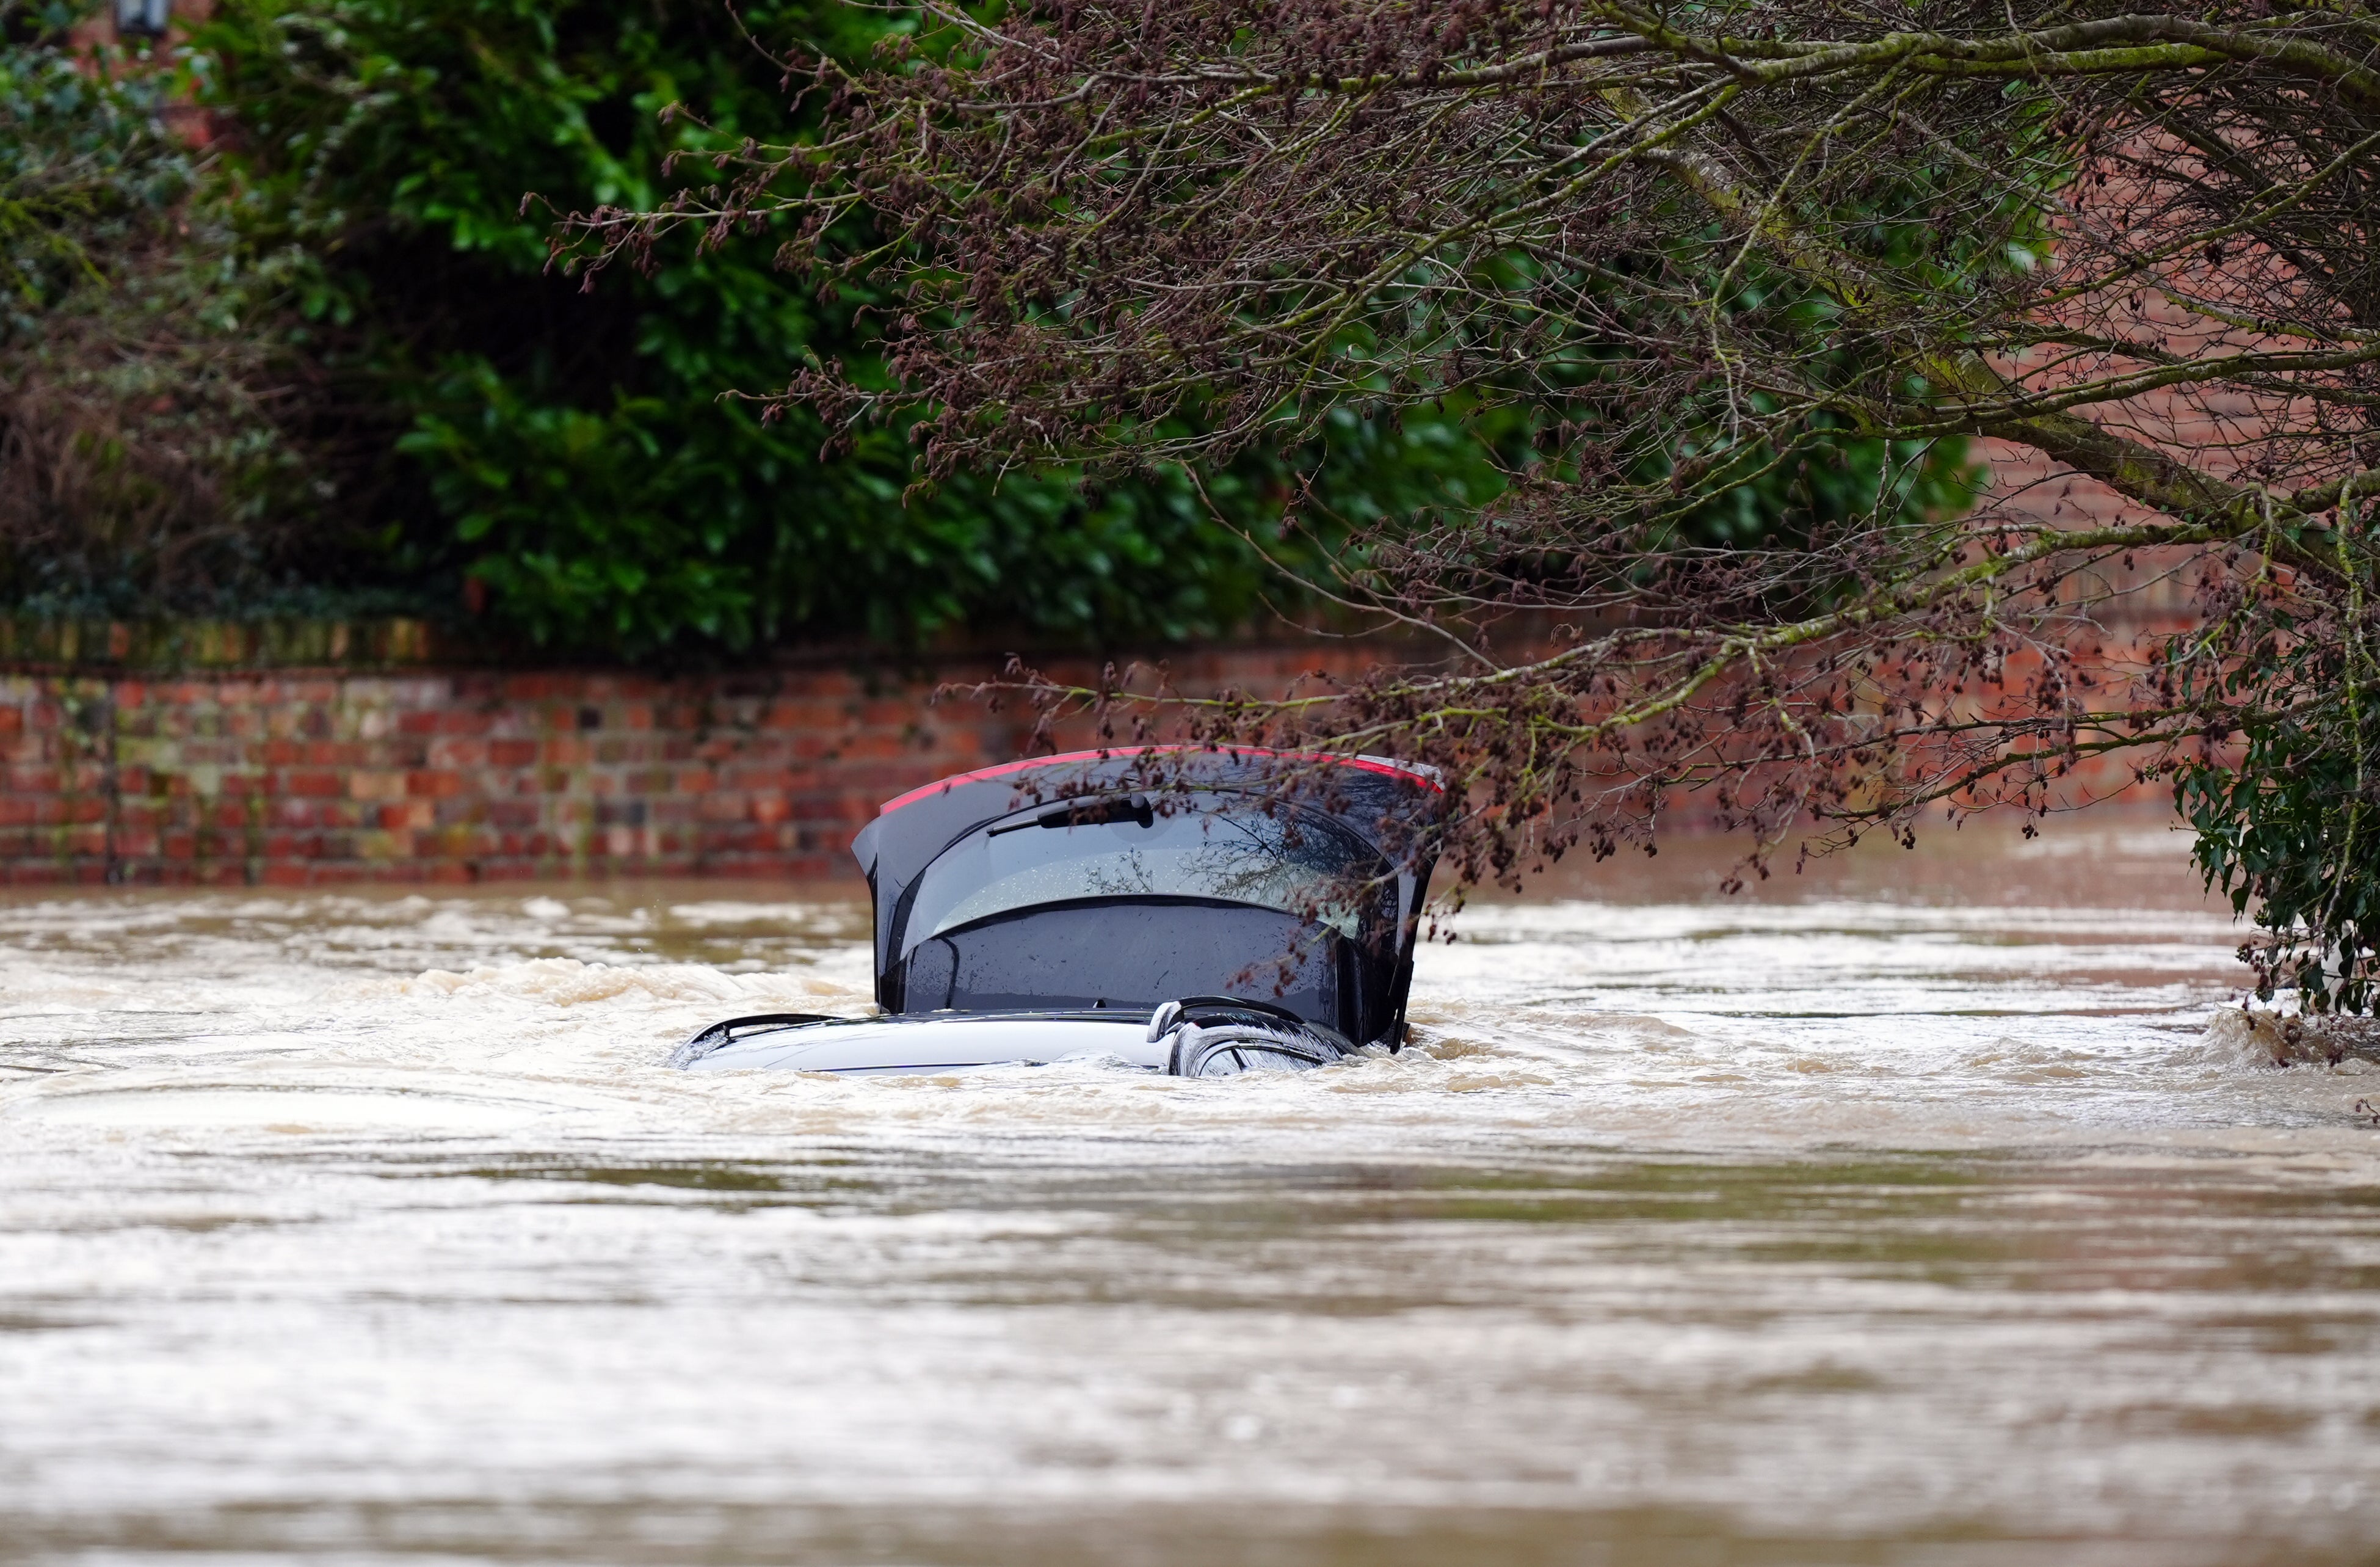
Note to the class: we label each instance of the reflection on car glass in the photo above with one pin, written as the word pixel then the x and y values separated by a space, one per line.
pixel 1283 861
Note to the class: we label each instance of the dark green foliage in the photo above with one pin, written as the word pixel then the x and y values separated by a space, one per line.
pixel 578 451
pixel 2289 828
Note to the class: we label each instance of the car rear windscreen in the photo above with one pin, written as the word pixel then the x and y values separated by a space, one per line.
pixel 1288 860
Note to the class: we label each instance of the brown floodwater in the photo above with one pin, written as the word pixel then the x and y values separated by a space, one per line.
pixel 1907 1212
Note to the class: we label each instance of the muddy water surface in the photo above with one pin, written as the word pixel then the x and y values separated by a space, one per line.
pixel 1908 1212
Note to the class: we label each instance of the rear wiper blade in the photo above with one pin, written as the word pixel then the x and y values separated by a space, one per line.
pixel 1095 813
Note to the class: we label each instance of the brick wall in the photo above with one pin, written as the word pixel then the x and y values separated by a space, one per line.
pixel 302 777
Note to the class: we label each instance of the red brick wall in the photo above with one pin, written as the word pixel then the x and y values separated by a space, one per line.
pixel 296 777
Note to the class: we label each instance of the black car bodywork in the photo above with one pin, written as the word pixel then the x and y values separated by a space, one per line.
pixel 1190 910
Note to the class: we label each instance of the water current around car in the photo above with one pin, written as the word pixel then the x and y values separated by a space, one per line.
pixel 1904 1211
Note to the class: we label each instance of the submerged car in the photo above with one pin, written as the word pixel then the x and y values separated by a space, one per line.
pixel 1199 912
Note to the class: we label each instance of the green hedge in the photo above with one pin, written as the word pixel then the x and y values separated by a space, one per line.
pixel 573 452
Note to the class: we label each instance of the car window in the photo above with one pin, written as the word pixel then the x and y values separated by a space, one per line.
pixel 1287 860
pixel 1233 1060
